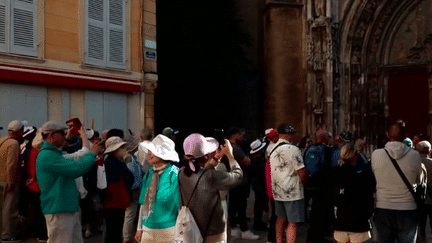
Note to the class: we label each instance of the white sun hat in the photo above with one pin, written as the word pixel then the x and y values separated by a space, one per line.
pixel 197 145
pixel 256 146
pixel 113 143
pixel 162 147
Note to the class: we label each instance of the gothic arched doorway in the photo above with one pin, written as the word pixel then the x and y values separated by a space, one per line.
pixel 385 66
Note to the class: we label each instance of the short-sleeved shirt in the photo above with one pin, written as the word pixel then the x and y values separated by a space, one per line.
pixel 285 161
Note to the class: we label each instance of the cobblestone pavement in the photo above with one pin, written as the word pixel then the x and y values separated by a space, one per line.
pixel 301 238
pixel 262 234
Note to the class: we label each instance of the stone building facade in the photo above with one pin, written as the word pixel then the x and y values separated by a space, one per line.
pixel 349 65
pixel 91 59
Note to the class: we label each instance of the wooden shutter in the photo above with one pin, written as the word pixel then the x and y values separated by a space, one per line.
pixel 95 33
pixel 23 39
pixel 4 25
pixel 116 34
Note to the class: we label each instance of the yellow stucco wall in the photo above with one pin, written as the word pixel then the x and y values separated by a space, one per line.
pixel 63 27
pixel 62 30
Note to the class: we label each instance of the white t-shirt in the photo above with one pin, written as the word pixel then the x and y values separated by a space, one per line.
pixel 285 161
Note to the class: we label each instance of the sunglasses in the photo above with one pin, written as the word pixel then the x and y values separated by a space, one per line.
pixel 61 132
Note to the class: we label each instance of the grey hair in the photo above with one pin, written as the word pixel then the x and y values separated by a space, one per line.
pixel 146 134
pixel 423 147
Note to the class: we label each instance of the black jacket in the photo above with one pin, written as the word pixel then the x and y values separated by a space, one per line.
pixel 351 195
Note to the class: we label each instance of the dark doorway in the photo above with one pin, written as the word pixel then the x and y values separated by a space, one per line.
pixel 408 99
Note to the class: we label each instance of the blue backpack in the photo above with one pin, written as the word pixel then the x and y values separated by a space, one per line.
pixel 135 167
pixel 317 159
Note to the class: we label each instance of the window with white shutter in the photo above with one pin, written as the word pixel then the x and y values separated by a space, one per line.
pixel 105 33
pixel 95 33
pixel 4 25
pixel 18 32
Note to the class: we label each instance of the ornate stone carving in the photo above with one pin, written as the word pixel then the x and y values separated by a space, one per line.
pixel 319 8
pixel 309 48
pixel 320 95
pixel 149 86
pixel 320 47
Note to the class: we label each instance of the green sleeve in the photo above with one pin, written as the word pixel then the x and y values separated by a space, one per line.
pixel 176 196
pixel 66 167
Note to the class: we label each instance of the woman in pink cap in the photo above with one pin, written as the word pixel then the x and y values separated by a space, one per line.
pixel 202 155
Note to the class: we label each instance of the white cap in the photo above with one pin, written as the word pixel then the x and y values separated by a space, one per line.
pixel 267 131
pixel 53 126
pixel 15 125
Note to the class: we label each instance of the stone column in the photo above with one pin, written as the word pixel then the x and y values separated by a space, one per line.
pixel 150 64
pixel 284 65
pixel 147 100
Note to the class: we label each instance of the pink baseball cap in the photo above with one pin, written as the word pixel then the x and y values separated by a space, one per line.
pixel 197 145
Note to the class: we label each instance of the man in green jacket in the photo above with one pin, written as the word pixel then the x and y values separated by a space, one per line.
pixel 56 177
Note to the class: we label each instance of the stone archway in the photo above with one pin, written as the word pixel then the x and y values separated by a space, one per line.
pixel 371 50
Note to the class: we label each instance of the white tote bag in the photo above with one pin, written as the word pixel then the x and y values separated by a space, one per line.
pixel 81 189
pixel 186 229
pixel 101 177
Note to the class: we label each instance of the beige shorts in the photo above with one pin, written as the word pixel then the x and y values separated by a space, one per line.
pixel 158 235
pixel 353 237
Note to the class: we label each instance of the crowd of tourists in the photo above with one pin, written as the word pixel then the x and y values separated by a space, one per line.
pixel 64 183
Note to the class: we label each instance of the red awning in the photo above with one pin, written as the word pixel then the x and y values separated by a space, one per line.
pixel 66 79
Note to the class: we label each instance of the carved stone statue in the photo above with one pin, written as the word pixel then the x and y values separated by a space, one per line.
pixel 319 7
pixel 320 95
pixel 420 21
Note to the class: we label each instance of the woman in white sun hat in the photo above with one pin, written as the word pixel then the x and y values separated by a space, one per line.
pixel 119 183
pixel 159 196
pixel 201 155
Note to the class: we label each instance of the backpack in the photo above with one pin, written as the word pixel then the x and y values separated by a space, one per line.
pixel 268 173
pixel 186 229
pixel 136 168
pixel 317 160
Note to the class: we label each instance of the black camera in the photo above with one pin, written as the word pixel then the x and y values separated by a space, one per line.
pixel 220 136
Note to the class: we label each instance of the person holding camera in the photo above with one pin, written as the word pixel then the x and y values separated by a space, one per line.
pixel 201 156
pixel 56 177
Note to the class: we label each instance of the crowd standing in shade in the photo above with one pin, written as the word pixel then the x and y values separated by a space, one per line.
pixel 62 184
